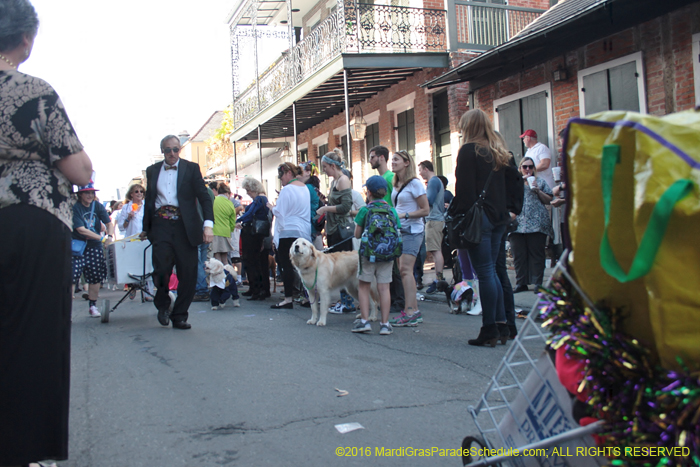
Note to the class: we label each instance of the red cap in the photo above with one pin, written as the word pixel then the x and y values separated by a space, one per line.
pixel 529 133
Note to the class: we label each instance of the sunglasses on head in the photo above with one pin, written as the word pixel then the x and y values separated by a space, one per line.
pixel 169 150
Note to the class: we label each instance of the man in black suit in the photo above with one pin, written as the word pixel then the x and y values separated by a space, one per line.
pixel 175 228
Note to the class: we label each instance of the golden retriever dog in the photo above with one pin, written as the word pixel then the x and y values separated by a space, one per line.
pixel 323 274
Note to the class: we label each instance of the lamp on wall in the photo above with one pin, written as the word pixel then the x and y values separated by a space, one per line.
pixel 560 74
pixel 358 125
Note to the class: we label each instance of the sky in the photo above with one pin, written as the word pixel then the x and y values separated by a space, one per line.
pixel 131 72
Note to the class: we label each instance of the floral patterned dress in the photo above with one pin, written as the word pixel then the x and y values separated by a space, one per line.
pixel 35 132
pixel 35 315
pixel 534 216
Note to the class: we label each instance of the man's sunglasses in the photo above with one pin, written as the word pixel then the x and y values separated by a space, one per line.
pixel 169 150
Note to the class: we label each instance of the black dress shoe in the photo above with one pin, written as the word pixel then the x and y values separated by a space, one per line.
pixel 277 306
pixel 247 293
pixel 181 325
pixel 202 297
pixel 164 317
pixel 306 304
pixel 520 288
pixel 255 298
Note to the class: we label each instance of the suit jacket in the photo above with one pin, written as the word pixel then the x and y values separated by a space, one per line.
pixel 190 189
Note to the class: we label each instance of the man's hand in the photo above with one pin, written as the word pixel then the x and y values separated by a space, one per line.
pixel 142 235
pixel 208 234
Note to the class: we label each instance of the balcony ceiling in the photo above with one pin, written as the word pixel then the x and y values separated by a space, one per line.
pixel 328 100
pixel 274 11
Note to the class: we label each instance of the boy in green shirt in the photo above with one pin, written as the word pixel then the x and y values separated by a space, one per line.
pixel 380 245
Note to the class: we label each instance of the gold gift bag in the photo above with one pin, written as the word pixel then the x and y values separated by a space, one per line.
pixel 634 224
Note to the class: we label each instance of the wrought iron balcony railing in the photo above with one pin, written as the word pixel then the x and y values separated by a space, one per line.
pixel 387 29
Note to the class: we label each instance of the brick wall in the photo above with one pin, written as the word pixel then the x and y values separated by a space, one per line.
pixel 387 135
pixel 665 44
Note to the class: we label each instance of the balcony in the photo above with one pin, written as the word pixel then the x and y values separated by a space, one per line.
pixel 481 26
pixel 356 29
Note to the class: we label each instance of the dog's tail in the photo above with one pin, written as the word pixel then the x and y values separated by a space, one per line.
pixel 231 271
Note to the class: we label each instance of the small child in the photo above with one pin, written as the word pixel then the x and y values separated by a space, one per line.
pixel 378 249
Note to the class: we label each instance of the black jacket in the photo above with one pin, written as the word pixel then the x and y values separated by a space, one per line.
pixel 190 189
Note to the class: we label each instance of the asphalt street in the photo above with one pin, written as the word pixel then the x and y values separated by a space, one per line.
pixel 252 386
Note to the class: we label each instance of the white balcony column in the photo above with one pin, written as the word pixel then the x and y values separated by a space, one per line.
pixel 254 23
pixel 294 129
pixel 347 116
pixel 341 22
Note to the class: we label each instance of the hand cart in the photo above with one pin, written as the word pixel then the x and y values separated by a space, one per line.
pixel 122 256
pixel 525 412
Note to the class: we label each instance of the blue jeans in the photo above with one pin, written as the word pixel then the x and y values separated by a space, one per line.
pixel 502 272
pixel 483 258
pixel 202 288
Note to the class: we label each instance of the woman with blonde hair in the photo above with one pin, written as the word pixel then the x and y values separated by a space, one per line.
pixel 253 254
pixel 482 159
pixel 130 218
pixel 411 203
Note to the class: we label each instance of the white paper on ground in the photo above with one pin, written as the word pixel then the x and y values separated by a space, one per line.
pixel 348 427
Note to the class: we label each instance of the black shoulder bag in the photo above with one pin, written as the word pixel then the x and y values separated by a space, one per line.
pixel 464 229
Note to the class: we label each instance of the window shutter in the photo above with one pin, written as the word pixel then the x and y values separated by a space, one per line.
pixel 624 94
pixel 595 92
pixel 510 127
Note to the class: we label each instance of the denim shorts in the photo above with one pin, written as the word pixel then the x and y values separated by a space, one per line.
pixel 412 242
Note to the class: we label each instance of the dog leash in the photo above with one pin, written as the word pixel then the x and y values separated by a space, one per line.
pixel 339 243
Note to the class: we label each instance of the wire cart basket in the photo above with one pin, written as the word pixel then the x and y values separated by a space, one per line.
pixel 524 416
pixel 128 262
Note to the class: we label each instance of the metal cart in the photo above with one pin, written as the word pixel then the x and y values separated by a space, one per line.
pixel 525 412
pixel 125 259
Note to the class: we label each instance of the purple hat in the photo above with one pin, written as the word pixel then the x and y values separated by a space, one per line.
pixel 89 187
pixel 375 183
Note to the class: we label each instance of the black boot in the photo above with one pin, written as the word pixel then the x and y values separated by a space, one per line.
pixel 504 333
pixel 513 331
pixel 488 335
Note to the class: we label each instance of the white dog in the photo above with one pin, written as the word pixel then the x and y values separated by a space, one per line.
pixel 325 273
pixel 222 280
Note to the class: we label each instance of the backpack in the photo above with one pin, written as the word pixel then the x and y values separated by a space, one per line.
pixel 381 240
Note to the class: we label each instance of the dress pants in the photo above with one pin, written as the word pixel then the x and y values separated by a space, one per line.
pixel 171 247
pixel 255 265
pixel 528 257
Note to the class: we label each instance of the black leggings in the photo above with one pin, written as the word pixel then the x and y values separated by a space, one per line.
pixel 285 262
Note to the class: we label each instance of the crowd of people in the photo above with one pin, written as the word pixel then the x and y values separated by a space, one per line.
pixel 57 236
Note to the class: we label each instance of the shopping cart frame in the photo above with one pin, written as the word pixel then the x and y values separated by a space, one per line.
pixel 132 287
pixel 529 331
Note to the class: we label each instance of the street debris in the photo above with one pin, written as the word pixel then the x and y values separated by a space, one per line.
pixel 348 427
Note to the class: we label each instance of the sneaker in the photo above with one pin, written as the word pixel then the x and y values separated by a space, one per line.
pixel 347 309
pixel 385 329
pixel 336 309
pixel 405 320
pixel 432 288
pixel 94 312
pixel 359 327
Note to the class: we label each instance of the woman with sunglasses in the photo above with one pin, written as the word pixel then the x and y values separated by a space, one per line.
pixel 338 222
pixel 411 203
pixel 292 220
pixel 130 218
pixel 534 226
pixel 481 156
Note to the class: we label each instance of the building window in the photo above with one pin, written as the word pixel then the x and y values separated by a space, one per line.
pixel 528 110
pixel 406 129
pixel 303 155
pixel 615 85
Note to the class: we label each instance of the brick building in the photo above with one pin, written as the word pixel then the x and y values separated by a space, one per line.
pixel 338 58
pixel 583 57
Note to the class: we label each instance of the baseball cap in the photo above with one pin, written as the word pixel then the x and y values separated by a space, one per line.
pixel 532 133
pixel 375 183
